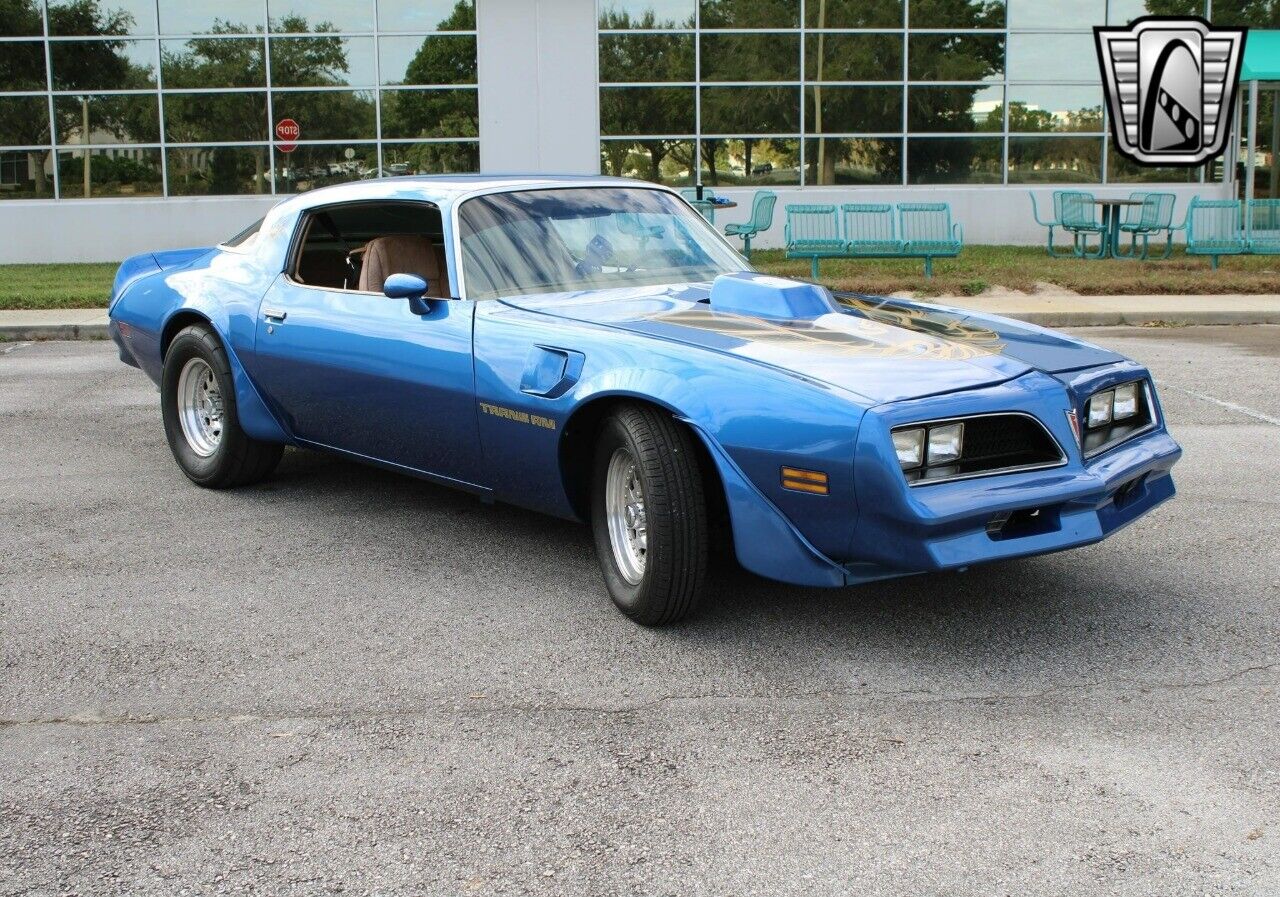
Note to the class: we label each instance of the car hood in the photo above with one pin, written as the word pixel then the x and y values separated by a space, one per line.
pixel 882 349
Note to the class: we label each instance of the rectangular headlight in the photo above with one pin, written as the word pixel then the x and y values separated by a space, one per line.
pixel 945 443
pixel 1100 408
pixel 1126 401
pixel 909 447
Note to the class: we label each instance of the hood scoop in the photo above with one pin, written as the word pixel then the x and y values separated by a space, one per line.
pixel 764 296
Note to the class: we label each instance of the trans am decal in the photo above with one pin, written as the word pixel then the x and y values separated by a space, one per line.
pixel 520 417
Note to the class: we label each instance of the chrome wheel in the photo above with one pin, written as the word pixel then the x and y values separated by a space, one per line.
pixel 624 509
pixel 200 407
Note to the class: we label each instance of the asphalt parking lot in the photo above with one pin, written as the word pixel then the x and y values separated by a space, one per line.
pixel 346 680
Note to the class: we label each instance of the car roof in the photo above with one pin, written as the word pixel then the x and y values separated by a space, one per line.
pixel 444 189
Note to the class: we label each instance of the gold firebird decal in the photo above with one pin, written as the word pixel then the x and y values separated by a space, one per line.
pixel 520 417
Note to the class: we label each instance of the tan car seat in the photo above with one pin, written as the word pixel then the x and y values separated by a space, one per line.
pixel 403 254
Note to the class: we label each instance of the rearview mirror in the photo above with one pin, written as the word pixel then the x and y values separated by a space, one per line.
pixel 404 286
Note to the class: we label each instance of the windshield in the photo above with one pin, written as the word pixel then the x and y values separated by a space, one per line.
pixel 585 238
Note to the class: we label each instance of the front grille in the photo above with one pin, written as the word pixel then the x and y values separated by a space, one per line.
pixel 993 443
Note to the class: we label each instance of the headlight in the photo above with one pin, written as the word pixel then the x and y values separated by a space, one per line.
pixel 945 443
pixel 1126 401
pixel 909 447
pixel 1100 408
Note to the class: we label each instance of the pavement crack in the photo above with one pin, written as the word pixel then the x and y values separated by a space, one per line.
pixel 453 705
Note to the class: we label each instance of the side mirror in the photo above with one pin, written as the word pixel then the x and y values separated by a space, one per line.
pixel 404 286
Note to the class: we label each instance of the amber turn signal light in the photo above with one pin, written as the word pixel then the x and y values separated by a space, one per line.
pixel 813 481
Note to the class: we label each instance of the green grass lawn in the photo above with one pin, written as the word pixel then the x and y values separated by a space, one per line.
pixel 978 268
pixel 56 286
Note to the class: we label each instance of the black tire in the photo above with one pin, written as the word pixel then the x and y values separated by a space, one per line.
pixel 237 460
pixel 675 506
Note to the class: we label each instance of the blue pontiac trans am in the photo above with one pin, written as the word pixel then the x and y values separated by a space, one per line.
pixel 593 349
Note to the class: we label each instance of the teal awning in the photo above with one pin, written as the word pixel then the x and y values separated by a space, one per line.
pixel 1261 56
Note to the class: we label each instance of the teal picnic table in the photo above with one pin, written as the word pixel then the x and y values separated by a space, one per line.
pixel 1111 215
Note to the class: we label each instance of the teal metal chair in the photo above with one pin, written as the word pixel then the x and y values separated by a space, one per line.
pixel 706 208
pixel 926 230
pixel 1263 234
pixel 1080 219
pixel 870 230
pixel 761 220
pixel 1214 228
pixel 1055 221
pixel 813 232
pixel 1153 216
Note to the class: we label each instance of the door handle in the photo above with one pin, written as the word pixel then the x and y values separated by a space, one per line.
pixel 274 314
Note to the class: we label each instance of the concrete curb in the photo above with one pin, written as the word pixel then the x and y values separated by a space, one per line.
pixel 19 333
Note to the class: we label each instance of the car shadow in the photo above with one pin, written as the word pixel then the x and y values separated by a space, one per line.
pixel 1007 608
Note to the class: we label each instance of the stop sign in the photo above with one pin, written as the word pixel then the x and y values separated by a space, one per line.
pixel 287 133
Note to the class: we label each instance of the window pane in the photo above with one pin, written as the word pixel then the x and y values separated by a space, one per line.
pixel 646 57
pixel 1121 171
pixel 223 17
pixel 213 62
pixel 974 14
pixel 755 161
pixel 432 158
pixel 751 57
pixel 853 160
pixel 113 118
pixel 949 57
pixel 110 172
pixel 430 113
pixel 1055 160
pixel 426 15
pixel 853 110
pixel 23 66
pixel 1055 108
pixel 1053 57
pixel 308 167
pixel 103 64
pixel 24 121
pixel 955 160
pixel 737 14
pixel 853 57
pixel 216 117
pixel 306 16
pixel 667 162
pixel 21 18
pixel 23 176
pixel 1122 12
pixel 750 110
pixel 319 61
pixel 328 114
pixel 854 14
pixel 647 13
pixel 438 59
pixel 219 170
pixel 1056 13
pixel 955 109
pixel 72 17
pixel 658 111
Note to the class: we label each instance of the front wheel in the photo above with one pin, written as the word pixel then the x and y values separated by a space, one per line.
pixel 198 402
pixel 649 515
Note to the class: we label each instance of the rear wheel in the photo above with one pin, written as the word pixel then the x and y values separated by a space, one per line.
pixel 198 403
pixel 649 515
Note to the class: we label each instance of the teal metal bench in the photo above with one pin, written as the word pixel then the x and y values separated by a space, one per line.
pixel 1153 216
pixel 926 230
pixel 873 230
pixel 813 232
pixel 1263 235
pixel 761 219
pixel 1214 228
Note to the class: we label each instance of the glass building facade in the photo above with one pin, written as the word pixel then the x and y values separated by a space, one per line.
pixel 119 98
pixel 870 92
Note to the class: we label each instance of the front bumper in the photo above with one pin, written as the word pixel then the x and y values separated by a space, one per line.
pixel 949 525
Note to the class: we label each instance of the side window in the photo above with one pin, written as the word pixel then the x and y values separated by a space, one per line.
pixel 357 246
